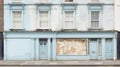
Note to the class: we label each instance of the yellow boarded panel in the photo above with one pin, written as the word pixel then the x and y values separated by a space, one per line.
pixel 71 47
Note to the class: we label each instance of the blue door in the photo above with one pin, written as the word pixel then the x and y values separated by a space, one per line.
pixel 109 49
pixel 93 49
pixel 43 51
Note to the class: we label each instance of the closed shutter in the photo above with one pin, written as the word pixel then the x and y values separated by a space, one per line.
pixel 95 19
pixel 17 19
pixel 68 20
pixel 43 20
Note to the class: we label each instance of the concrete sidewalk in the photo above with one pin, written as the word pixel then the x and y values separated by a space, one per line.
pixel 48 63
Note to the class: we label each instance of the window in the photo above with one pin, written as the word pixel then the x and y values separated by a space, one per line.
pixel 43 22
pixel 95 1
pixel 17 19
pixel 68 0
pixel 95 19
pixel 17 1
pixel 68 19
pixel 43 1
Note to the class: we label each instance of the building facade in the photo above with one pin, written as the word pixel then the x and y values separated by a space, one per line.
pixel 1 29
pixel 59 30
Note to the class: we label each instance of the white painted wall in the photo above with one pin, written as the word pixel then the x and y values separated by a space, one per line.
pixel 117 15
pixel 56 16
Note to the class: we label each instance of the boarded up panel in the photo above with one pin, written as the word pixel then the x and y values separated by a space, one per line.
pixel 71 46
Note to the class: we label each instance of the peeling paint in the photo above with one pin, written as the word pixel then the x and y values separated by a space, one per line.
pixel 71 46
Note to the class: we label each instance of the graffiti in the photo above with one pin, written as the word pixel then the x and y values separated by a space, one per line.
pixel 71 46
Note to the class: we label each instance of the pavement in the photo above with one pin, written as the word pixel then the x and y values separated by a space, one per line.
pixel 58 63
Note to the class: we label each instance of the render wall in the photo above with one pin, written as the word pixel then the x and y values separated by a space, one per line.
pixel 82 16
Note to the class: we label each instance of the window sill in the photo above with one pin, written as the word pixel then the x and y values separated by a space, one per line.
pixel 94 29
pixel 43 29
pixel 68 3
pixel 17 29
pixel 65 29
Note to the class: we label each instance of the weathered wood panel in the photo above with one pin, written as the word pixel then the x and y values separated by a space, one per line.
pixel 71 46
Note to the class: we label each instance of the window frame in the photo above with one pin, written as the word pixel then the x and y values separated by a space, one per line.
pixel 22 17
pixel 74 23
pixel 38 21
pixel 100 19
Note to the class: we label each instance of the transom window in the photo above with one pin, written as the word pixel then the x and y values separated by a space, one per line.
pixel 43 22
pixel 95 19
pixel 17 19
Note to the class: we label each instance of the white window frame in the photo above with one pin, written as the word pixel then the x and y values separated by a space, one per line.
pixel 13 18
pixel 38 21
pixel 100 19
pixel 74 23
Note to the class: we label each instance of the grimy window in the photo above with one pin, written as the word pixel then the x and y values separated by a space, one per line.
pixel 68 0
pixel 17 19
pixel 95 19
pixel 43 22
pixel 68 19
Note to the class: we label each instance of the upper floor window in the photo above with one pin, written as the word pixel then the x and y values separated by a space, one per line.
pixel 95 19
pixel 68 22
pixel 43 1
pixel 16 1
pixel 95 1
pixel 68 0
pixel 17 19
pixel 43 20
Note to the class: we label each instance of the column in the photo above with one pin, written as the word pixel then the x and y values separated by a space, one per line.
pixel 36 49
pixel 103 48
pixel 49 49
pixel 115 48
pixel 54 49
